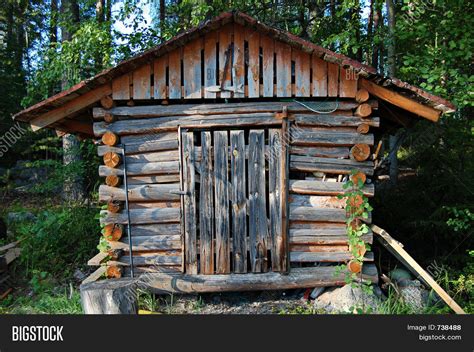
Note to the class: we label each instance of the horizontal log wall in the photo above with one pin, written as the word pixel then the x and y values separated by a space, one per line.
pixel 320 157
pixel 215 66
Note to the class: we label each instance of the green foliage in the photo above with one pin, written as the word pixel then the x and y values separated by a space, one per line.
pixel 58 242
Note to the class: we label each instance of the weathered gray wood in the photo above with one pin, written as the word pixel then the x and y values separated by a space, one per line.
pixel 274 196
pixel 190 237
pixel 221 160
pixel 150 258
pixel 324 236
pixel 319 214
pixel 156 230
pixel 96 275
pixel 167 155
pixel 109 297
pixel 325 152
pixel 258 230
pixel 160 192
pixel 323 188
pixel 317 201
pixel 282 246
pixel 206 207
pixel 333 120
pixel 300 136
pixel 141 147
pixel 239 199
pixel 151 137
pixel 142 216
pixel 142 180
pixel 304 257
pixel 149 243
pixel 329 165
pixel 162 124
pixel 164 167
pixel 296 278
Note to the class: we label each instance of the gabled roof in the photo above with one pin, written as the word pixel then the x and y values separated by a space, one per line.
pixel 369 73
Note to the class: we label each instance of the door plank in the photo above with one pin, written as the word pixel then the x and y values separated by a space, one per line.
pixel 274 196
pixel 238 198
pixel 221 157
pixel 257 204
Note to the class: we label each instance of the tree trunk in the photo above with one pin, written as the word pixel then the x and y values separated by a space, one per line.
pixel 73 183
pixel 162 19
pixel 370 26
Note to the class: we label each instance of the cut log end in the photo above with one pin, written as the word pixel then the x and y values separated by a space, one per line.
pixel 114 206
pixel 110 138
pixel 354 266
pixel 363 110
pixel 107 102
pixel 113 232
pixel 111 159
pixel 363 128
pixel 362 95
pixel 360 152
pixel 109 118
pixel 112 180
pixel 357 177
pixel 114 272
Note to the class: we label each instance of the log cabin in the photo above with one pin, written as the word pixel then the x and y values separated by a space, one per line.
pixel 224 151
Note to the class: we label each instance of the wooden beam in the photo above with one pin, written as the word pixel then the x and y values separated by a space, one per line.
pixel 71 126
pixel 400 101
pixel 70 107
pixel 396 248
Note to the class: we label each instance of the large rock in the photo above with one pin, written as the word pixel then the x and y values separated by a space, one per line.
pixel 347 299
pixel 414 295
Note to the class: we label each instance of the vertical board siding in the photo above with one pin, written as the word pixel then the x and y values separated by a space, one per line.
pixel 302 73
pixel 142 82
pixel 189 204
pixel 333 80
pixel 221 157
pixel 121 88
pixel 159 77
pixel 225 50
pixel 274 194
pixel 257 203
pixel 210 69
pixel 320 77
pixel 206 207
pixel 253 73
pixel 175 74
pixel 347 83
pixel 283 69
pixel 268 50
pixel 192 69
pixel 238 199
pixel 238 69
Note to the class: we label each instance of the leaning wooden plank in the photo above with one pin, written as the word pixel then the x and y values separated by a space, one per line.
pixel 193 121
pixel 334 120
pixel 274 196
pixel 305 257
pixel 324 188
pixel 210 69
pixel 141 82
pixel 296 278
pixel 98 259
pixel 397 249
pixel 149 243
pixel 238 68
pixel 147 111
pixel 96 275
pixel 121 87
pixel 258 231
pixel 238 199
pixel 319 214
pixel 142 216
pixel 206 207
pixel 221 192
pixel 253 73
pixel 190 220
pixel 302 73
pixel 192 69
pixel 165 167
pixel 283 69
pixel 320 77
pixel 70 107
pixel 10 255
pixel 400 101
pixel 159 77
pixel 321 138
pixel 137 193
pixel 9 246
pixel 175 73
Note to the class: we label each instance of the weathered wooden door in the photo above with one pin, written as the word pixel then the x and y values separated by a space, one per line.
pixel 232 182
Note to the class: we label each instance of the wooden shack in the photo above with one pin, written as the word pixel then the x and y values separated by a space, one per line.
pixel 237 139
